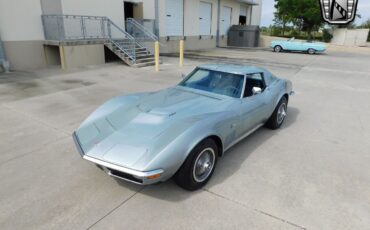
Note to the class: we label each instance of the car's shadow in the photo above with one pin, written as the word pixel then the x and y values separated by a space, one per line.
pixel 229 164
pixel 300 53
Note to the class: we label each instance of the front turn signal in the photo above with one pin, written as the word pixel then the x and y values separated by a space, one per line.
pixel 155 176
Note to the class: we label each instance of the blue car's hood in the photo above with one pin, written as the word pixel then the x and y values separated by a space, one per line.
pixel 126 131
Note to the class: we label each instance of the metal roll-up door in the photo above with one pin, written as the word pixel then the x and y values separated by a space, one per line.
pixel 174 17
pixel 205 18
pixel 226 19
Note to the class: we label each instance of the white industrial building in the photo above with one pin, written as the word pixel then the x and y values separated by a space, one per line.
pixel 202 24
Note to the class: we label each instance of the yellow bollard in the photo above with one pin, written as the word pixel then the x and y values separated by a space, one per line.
pixel 156 55
pixel 181 53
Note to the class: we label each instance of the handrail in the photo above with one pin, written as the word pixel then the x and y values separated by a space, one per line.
pixel 61 27
pixel 72 15
pixel 143 29
pixel 132 54
pixel 117 27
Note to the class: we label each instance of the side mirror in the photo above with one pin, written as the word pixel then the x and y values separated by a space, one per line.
pixel 256 90
pixel 183 76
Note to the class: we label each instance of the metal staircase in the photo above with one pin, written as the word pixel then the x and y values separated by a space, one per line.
pixel 143 57
pixel 127 48
pixel 77 28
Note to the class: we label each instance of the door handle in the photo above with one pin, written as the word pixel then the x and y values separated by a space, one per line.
pixel 168 15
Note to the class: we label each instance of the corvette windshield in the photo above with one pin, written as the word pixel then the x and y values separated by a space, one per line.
pixel 216 82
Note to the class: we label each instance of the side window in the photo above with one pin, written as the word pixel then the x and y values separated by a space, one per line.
pixel 254 80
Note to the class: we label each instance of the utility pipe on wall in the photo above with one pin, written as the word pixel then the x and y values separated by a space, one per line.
pixel 218 23
pixel 3 62
pixel 156 23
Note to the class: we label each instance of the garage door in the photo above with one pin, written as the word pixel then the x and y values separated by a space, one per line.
pixel 205 18
pixel 226 19
pixel 174 17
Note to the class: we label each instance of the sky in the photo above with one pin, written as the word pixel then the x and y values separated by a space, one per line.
pixel 268 11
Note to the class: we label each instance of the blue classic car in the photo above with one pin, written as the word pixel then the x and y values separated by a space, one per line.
pixel 300 46
pixel 181 131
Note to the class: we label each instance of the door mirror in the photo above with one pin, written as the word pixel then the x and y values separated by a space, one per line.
pixel 256 90
pixel 183 76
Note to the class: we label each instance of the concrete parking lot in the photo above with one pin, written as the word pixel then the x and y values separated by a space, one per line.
pixel 313 173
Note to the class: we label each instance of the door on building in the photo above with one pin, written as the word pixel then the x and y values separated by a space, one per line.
pixel 128 8
pixel 243 15
pixel 205 18
pixel 226 19
pixel 174 17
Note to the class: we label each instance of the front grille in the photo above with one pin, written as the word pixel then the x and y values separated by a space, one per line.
pixel 124 176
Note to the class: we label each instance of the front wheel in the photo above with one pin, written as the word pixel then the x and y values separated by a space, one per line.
pixel 278 49
pixel 278 116
pixel 198 166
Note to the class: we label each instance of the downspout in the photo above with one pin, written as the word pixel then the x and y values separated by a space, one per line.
pixel 156 24
pixel 250 16
pixel 3 62
pixel 218 23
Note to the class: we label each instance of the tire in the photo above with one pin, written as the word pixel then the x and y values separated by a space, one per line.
pixel 278 116
pixel 190 176
pixel 278 49
pixel 311 51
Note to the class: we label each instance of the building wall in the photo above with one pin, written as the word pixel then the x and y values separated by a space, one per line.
pixel 191 24
pixel 25 54
pixel 51 6
pixel 22 33
pixel 149 9
pixel 256 13
pixel 350 37
pixel 83 55
pixel 20 20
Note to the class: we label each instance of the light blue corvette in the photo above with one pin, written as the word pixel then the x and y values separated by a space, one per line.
pixel 292 45
pixel 180 132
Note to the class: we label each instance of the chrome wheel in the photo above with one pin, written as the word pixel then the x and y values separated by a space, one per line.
pixel 277 49
pixel 281 113
pixel 204 165
pixel 311 51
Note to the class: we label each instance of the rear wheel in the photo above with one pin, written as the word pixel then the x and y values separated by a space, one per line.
pixel 198 166
pixel 278 49
pixel 311 51
pixel 278 116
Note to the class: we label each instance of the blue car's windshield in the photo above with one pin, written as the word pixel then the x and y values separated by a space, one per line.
pixel 216 82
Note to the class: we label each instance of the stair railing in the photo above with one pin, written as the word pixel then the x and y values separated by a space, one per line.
pixel 121 39
pixel 139 32
pixel 67 28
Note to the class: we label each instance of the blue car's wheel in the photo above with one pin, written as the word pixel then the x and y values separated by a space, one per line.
pixel 311 51
pixel 198 166
pixel 278 49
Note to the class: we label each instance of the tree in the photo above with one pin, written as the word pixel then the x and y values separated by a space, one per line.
pixel 305 14
pixel 366 24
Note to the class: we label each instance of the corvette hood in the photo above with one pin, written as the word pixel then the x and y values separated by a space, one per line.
pixel 129 133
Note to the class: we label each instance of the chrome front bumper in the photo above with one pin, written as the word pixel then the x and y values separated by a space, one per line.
pixel 127 174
